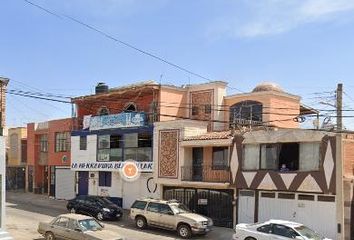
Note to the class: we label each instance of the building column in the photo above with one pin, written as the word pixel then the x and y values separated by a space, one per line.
pixel 339 187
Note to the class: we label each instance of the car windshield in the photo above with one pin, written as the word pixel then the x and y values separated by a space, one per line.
pixel 90 225
pixel 308 233
pixel 179 208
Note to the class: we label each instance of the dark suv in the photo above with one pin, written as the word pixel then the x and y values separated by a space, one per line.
pixel 96 206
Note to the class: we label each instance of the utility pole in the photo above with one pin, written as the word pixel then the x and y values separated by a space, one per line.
pixel 339 106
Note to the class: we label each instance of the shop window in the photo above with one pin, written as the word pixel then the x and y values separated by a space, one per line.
pixel 220 158
pixel 62 141
pixel 43 143
pixel 110 148
pixel 83 142
pixel 105 179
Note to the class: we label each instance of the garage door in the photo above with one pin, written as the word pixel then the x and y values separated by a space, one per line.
pixel 316 211
pixel 246 206
pixel 64 183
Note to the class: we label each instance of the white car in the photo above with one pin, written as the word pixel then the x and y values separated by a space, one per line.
pixel 275 229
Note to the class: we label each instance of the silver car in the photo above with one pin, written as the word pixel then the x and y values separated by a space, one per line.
pixel 76 227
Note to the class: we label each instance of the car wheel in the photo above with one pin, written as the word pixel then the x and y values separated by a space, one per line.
pixel 184 231
pixel 250 238
pixel 99 216
pixel 140 222
pixel 72 210
pixel 49 236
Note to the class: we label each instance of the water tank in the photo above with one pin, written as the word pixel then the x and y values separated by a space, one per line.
pixel 101 88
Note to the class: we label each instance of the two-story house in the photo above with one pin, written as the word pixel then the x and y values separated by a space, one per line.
pixel 197 158
pixel 48 158
pixel 16 165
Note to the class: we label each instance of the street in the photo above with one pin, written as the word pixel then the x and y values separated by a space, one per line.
pixel 25 210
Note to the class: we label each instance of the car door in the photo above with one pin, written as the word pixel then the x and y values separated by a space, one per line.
pixel 72 231
pixel 59 228
pixel 281 232
pixel 167 219
pixel 263 232
pixel 152 213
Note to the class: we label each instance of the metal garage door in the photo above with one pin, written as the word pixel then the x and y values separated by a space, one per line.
pixel 64 183
pixel 316 211
pixel 246 206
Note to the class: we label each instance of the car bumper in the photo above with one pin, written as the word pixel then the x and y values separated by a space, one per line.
pixel 200 230
pixel 112 215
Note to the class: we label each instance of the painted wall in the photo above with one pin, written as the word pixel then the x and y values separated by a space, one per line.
pixel 173 102
pixel 271 101
pixel 2 185
pixel 88 155
pixel 14 145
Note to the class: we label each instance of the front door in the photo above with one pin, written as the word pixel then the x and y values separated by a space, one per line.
pixel 83 183
pixel 197 169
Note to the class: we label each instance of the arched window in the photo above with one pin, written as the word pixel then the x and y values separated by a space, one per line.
pixel 130 107
pixel 103 111
pixel 246 111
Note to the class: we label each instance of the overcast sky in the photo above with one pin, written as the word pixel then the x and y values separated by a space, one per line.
pixel 306 46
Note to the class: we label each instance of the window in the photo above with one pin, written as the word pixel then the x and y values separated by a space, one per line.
pixel 250 157
pixel 103 148
pixel 195 110
pixel 103 111
pixel 283 157
pixel 265 229
pixel 207 108
pixel 153 207
pixel 246 111
pixel 73 224
pixel 165 209
pixel 139 205
pixel 62 141
pixel 62 222
pixel 220 157
pixel 83 142
pixel 269 156
pixel 105 179
pixel 309 156
pixel 284 231
pixel 43 143
pixel 130 107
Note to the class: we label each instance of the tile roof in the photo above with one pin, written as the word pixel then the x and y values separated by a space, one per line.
pixel 210 136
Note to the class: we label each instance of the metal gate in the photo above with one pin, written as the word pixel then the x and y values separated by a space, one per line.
pixel 216 204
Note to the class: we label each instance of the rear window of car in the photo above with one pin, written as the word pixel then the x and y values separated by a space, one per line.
pixel 139 205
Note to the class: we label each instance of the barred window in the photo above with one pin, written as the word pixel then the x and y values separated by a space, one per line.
pixel 62 141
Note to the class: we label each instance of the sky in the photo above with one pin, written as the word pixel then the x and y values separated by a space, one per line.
pixel 305 46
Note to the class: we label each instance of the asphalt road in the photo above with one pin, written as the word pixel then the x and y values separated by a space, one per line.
pixel 25 211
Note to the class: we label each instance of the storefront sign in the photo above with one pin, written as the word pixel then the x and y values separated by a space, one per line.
pixel 110 166
pixel 120 120
pixel 130 171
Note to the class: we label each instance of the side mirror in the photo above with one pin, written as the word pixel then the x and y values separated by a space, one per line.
pixel 78 230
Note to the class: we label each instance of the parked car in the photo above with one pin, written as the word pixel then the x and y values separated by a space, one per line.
pixel 76 227
pixel 275 229
pixel 95 206
pixel 170 215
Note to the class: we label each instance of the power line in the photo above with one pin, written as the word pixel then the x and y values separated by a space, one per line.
pixel 51 12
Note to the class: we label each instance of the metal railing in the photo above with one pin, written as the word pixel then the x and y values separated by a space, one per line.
pixel 206 173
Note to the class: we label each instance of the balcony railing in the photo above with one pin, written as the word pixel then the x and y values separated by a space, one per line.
pixel 219 174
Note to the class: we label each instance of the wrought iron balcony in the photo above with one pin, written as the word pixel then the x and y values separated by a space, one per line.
pixel 206 173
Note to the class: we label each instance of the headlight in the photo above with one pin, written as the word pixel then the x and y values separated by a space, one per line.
pixel 106 209
pixel 197 224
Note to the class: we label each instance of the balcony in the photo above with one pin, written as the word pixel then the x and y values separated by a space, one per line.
pixel 217 174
